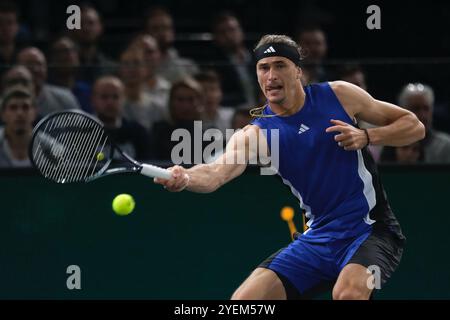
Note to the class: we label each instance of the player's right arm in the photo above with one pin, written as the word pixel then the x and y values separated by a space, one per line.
pixel 209 177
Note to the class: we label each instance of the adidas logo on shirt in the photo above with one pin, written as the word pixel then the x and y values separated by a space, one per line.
pixel 302 129
pixel 270 50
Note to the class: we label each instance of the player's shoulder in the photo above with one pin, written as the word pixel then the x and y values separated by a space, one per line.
pixel 249 129
pixel 348 92
pixel 340 86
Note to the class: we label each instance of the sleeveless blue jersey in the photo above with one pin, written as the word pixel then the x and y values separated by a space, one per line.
pixel 338 189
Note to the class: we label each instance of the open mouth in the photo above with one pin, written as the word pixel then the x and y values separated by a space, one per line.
pixel 273 89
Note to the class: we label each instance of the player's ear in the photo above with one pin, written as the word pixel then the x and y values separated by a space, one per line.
pixel 299 73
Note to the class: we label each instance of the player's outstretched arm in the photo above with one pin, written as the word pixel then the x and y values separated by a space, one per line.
pixel 209 177
pixel 397 126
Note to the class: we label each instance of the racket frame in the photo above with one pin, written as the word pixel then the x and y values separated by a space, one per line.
pixel 136 167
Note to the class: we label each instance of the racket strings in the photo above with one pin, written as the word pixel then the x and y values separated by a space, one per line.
pixel 47 143
pixel 66 148
pixel 62 156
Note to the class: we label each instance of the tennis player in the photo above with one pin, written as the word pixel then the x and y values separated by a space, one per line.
pixel 353 236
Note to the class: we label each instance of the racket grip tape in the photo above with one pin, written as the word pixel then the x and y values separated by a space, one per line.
pixel 154 171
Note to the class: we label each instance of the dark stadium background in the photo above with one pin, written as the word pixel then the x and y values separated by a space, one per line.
pixel 412 45
pixel 190 246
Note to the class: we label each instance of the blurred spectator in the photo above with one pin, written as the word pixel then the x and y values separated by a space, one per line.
pixel 18 113
pixel 186 102
pixel 155 85
pixel 159 24
pixel 352 73
pixel 233 62
pixel 108 96
pixel 241 118
pixel 410 154
pixel 49 98
pixel 94 63
pixel 9 29
pixel 314 46
pixel 18 75
pixel 215 115
pixel 419 98
pixel 64 65
pixel 138 104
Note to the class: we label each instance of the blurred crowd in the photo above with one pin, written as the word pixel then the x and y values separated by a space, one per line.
pixel 150 89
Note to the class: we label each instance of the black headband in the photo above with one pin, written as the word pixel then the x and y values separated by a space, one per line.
pixel 278 50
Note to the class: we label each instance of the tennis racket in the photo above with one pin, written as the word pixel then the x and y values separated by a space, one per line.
pixel 73 146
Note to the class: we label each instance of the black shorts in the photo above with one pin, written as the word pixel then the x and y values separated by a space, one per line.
pixel 380 252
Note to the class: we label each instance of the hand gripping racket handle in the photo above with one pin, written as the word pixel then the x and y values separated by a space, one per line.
pixel 154 171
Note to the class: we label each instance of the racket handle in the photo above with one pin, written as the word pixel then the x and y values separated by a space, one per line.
pixel 154 171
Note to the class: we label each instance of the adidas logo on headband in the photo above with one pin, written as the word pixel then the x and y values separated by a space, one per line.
pixel 270 50
pixel 282 50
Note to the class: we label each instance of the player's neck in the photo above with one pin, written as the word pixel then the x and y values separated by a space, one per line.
pixel 291 105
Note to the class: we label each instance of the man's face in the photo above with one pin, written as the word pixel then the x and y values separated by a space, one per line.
pixel 107 100
pixel 213 94
pixel 185 104
pixel 18 76
pixel 160 26
pixel 421 107
pixel 132 70
pixel 65 54
pixel 18 115
pixel 228 34
pixel 152 55
pixel 315 45
pixel 91 27
pixel 35 61
pixel 9 27
pixel 278 78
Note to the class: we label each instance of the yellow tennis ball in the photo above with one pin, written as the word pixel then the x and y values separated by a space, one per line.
pixel 123 204
pixel 100 156
pixel 287 213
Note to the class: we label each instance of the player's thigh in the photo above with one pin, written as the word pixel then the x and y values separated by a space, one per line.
pixel 371 265
pixel 262 284
pixel 353 283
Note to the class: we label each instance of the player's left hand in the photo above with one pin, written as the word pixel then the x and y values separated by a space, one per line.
pixel 350 138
